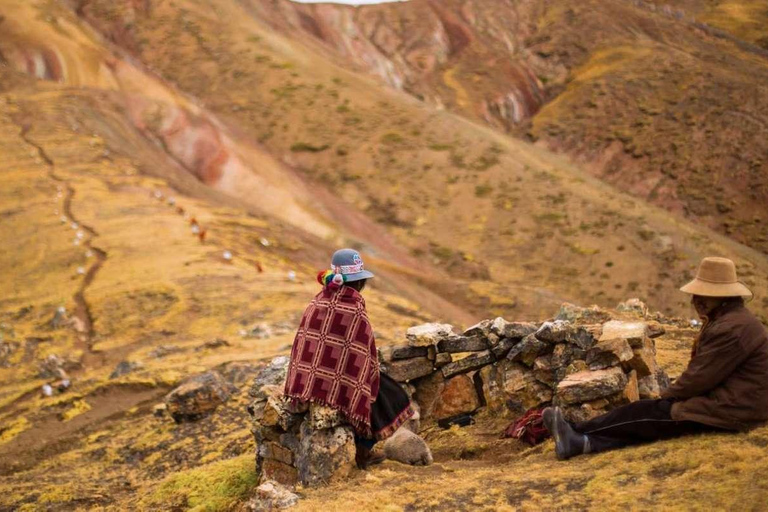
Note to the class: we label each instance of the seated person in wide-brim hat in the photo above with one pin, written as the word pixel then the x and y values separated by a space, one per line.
pixel 334 361
pixel 724 387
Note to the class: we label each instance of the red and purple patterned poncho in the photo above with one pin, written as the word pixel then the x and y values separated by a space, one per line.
pixel 334 360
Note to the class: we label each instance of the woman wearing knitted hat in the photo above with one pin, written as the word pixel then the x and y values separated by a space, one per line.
pixel 334 361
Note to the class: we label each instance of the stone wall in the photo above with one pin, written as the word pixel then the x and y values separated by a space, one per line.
pixel 586 360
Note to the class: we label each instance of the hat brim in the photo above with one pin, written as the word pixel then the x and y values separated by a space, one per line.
pixel 705 289
pixel 359 276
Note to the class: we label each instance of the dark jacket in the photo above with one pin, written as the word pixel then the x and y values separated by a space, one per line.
pixel 726 382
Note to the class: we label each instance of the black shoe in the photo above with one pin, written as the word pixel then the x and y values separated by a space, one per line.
pixel 568 442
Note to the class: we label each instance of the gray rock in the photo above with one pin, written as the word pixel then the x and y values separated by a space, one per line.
pixel 270 495
pixel 456 344
pixel 273 375
pixel 408 448
pixel 472 362
pixel 502 348
pixel 325 456
pixel 399 352
pixel 582 336
pixel 427 334
pixel 586 386
pixel 408 369
pixel 124 368
pixel 527 350
pixel 482 329
pixel 553 332
pixel 513 330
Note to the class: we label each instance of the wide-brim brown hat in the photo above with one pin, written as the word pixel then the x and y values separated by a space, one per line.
pixel 716 277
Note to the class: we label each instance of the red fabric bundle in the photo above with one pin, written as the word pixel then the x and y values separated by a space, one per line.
pixel 529 428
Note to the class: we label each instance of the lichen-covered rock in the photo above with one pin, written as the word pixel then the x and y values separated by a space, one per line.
pixel 514 330
pixel 609 353
pixel 271 495
pixel 511 387
pixel 321 417
pixel 325 456
pixel 428 334
pixel 590 385
pixel 408 369
pixel 457 396
pixel 544 371
pixel 521 389
pixel 198 397
pixel 273 375
pixel 473 362
pixel 527 350
pixel 278 411
pixel 553 332
pixel 408 448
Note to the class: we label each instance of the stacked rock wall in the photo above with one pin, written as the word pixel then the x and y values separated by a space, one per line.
pixel 586 360
pixel 583 360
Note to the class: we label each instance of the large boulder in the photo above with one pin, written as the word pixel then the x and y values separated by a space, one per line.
pixel 325 456
pixel 590 385
pixel 197 397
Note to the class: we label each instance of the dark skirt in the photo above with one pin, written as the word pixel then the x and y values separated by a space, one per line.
pixel 391 408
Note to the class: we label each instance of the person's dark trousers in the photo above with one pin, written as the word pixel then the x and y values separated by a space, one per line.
pixel 635 423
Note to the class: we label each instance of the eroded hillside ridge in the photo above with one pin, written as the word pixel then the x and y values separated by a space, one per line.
pixel 646 114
